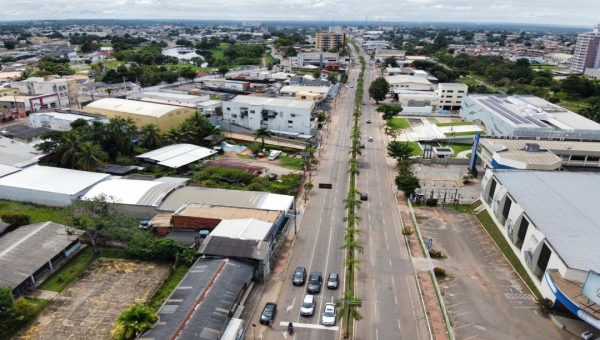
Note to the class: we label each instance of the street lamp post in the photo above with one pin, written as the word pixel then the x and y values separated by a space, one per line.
pixel 254 330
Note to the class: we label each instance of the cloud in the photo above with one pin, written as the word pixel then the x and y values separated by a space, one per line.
pixel 575 12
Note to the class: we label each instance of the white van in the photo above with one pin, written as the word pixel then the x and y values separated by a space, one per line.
pixel 308 305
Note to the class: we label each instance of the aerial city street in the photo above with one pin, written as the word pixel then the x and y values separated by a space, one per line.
pixel 267 170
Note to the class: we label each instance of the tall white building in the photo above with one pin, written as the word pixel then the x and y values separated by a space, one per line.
pixel 65 88
pixel 587 52
pixel 276 114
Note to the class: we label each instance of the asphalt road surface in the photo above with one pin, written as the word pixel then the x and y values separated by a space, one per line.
pixel 386 281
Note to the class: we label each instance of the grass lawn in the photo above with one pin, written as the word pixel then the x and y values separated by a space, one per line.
pixel 401 123
pixel 291 162
pixel 218 52
pixel 479 77
pixel 77 265
pixel 168 285
pixel 488 223
pixel 36 213
pixel 459 123
pixel 459 148
pixel 465 133
pixel 416 149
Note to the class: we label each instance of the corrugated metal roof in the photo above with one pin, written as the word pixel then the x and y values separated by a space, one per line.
pixel 7 170
pixel 132 106
pixel 243 229
pixel 50 179
pixel 29 247
pixel 563 206
pixel 230 198
pixel 129 191
pixel 178 155
pixel 208 317
pixel 293 103
pixel 18 154
pixel 228 213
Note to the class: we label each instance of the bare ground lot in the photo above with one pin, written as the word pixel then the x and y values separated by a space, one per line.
pixel 88 308
pixel 484 297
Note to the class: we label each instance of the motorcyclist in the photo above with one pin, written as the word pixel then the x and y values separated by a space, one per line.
pixel 290 327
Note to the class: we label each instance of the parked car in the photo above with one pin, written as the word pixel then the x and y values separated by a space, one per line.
pixel 268 313
pixel 329 315
pixel 368 121
pixel 363 102
pixel 370 139
pixel 314 283
pixel 362 146
pixel 364 196
pixel 299 276
pixel 307 308
pixel 333 281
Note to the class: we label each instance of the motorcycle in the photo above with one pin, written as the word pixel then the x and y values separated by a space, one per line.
pixel 291 330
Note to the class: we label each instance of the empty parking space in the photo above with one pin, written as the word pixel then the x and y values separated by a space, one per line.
pixel 484 298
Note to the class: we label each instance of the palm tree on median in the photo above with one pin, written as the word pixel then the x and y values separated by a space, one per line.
pixel 261 133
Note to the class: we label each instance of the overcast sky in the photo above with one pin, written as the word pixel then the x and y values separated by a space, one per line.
pixel 560 12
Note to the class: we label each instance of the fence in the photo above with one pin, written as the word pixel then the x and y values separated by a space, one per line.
pixel 435 284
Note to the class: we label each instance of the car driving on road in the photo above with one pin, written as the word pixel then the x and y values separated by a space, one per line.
pixel 333 281
pixel 329 315
pixel 364 196
pixel 299 276
pixel 314 283
pixel 308 305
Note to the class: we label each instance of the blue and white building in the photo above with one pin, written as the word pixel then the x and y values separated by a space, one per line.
pixel 550 220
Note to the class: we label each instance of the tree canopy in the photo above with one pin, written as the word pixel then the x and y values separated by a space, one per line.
pixel 389 110
pixel 379 89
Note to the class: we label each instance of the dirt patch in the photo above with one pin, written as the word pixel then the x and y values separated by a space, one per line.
pixel 90 305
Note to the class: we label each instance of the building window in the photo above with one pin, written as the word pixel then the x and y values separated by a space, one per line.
pixel 290 122
pixel 461 91
pixel 251 111
pixel 450 91
pixel 228 109
pixel 292 114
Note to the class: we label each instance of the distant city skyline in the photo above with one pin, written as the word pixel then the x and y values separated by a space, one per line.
pixel 578 13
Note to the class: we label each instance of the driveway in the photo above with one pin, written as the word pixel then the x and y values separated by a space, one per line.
pixel 90 305
pixel 484 298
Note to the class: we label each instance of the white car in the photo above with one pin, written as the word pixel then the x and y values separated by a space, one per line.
pixel 329 315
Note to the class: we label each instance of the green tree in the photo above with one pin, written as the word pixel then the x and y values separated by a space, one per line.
pixel 69 148
pixel 6 298
pixel 223 70
pixel 407 183
pixel 390 61
pixel 344 78
pixel 261 133
pixel 379 89
pixel 389 110
pixel 333 78
pixel 573 85
pixel 317 74
pixel 399 150
pixel 150 136
pixel 188 73
pixel 99 217
pixel 10 44
pixel 89 155
pixel 290 52
pixel 133 321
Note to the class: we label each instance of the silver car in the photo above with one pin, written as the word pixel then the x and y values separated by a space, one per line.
pixel 329 315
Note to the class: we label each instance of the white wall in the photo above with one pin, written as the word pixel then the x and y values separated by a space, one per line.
pixel 284 120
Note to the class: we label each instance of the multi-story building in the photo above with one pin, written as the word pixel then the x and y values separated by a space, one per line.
pixel 335 29
pixel 328 41
pixel 276 114
pixel 317 58
pixel 587 51
pixel 65 88
pixel 450 95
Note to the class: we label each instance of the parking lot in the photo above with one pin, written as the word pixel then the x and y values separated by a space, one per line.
pixel 484 298
pixel 88 308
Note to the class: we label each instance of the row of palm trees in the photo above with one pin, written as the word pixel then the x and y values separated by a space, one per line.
pixel 350 302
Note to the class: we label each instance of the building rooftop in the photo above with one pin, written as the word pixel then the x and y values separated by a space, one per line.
pixel 178 155
pixel 407 79
pixel 238 238
pixel 133 107
pixel 64 116
pixel 18 154
pixel 50 179
pixel 169 96
pixel 7 170
pixel 243 229
pixel 29 247
pixel 228 213
pixel 296 89
pixel 291 103
pixel 184 316
pixel 230 198
pixel 563 206
pixel 533 112
pixel 130 191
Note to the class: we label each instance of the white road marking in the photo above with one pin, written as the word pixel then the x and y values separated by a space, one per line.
pixel 456 304
pixel 376 334
pixel 385 233
pixel 289 308
pixel 395 299
pixel 456 316
pixel 399 326
pixel 308 325
pixel 393 283
pixel 462 326
pixel 373 284
pixel 388 246
pixel 390 262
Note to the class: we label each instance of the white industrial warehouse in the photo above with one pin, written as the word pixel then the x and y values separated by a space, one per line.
pixel 48 186
pixel 550 220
